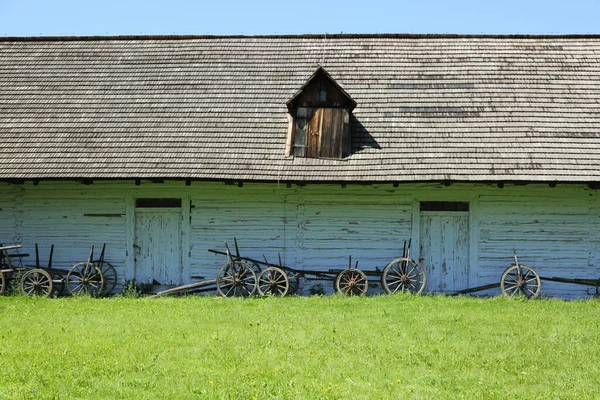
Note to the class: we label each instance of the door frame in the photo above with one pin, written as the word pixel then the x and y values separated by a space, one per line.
pixel 421 260
pixel 154 211
pixel 186 205
pixel 473 227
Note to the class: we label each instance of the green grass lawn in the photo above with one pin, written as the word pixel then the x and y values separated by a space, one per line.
pixel 299 347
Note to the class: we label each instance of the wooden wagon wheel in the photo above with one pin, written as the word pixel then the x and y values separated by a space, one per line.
pixel 273 281
pixel 3 283
pixel 109 273
pixel 236 279
pixel 256 268
pixel 519 279
pixel 352 282
pixel 85 278
pixel 36 282
pixel 403 275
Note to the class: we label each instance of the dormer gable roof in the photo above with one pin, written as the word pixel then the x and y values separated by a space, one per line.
pixel 317 80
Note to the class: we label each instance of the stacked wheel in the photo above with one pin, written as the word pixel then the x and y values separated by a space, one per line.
pixel 3 283
pixel 519 280
pixel 36 282
pixel 273 281
pixel 109 274
pixel 236 279
pixel 403 275
pixel 85 278
pixel 352 282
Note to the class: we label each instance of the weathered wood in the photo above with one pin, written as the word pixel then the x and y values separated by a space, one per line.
pixel 313 139
pixel 444 249
pixel 332 132
pixel 186 288
pixel 346 135
pixel 300 131
pixel 321 91
pixel 576 281
pixel 290 135
pixel 158 245
pixel 479 288
pixel 11 247
pixel 555 230
pixel 323 132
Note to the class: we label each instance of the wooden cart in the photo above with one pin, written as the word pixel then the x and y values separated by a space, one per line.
pixel 516 280
pixel 245 276
pixel 88 277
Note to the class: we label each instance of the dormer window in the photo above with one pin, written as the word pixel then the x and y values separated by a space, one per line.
pixel 320 113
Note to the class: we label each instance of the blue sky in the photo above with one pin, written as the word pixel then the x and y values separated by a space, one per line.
pixel 219 17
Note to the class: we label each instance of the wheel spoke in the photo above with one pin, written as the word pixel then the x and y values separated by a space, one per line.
pixel 230 289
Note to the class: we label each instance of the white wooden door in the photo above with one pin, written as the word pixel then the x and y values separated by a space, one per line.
pixel 444 245
pixel 158 246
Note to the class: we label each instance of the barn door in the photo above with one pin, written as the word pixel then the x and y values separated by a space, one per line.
pixel 444 245
pixel 158 241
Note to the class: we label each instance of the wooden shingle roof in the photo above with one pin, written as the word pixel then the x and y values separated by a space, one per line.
pixel 429 107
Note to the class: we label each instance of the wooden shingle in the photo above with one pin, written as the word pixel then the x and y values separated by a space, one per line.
pixel 429 107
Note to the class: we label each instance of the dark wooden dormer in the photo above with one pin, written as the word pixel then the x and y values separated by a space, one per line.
pixel 320 113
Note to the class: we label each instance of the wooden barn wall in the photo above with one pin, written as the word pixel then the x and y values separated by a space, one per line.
pixel 10 213
pixel 259 216
pixel 369 223
pixel 73 217
pixel 554 230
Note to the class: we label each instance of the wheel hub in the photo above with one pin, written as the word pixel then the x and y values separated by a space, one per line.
pixel 520 282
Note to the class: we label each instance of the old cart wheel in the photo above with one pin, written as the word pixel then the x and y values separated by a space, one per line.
pixel 36 282
pixel 520 280
pixel 109 273
pixel 273 281
pixel 236 279
pixel 403 275
pixel 352 282
pixel 256 268
pixel 85 278
pixel 3 283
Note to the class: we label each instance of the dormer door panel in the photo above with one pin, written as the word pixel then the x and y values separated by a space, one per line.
pixel 322 133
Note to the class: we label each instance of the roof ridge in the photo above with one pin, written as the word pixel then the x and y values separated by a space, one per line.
pixel 327 36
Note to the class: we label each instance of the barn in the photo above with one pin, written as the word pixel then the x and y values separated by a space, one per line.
pixel 313 147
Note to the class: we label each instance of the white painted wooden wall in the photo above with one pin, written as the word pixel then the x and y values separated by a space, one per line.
pixel 554 230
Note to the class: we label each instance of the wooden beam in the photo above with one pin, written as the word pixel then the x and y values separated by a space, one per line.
pixel 288 139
